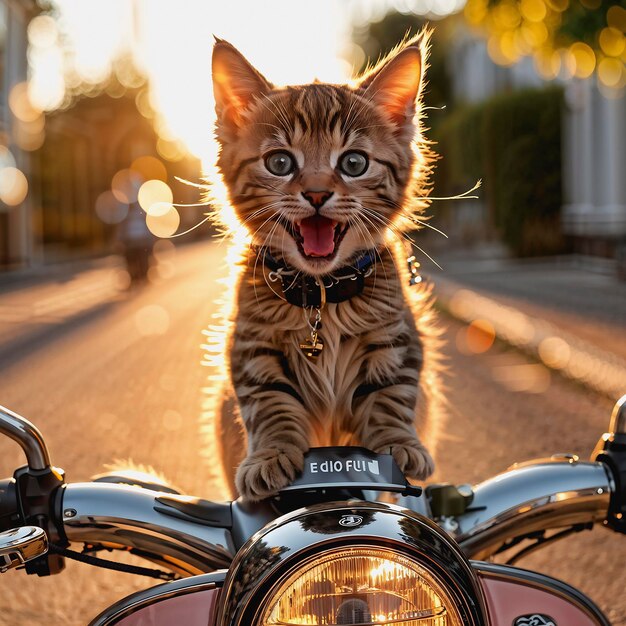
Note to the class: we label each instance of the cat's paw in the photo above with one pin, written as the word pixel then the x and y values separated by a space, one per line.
pixel 267 471
pixel 414 461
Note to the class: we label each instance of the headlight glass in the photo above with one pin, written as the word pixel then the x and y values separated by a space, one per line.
pixel 364 586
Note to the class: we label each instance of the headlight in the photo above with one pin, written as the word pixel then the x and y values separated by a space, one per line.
pixel 361 585
pixel 359 563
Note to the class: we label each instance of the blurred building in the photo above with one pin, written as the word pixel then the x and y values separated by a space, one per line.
pixel 83 178
pixel 593 214
pixel 594 211
pixel 16 235
pixel 66 177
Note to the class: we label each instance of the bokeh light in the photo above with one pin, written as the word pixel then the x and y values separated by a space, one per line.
pixel 125 185
pixel 152 319
pixel 529 378
pixel 554 352
pixel 172 420
pixel 155 198
pixel 477 338
pixel 149 167
pixel 21 104
pixel 42 31
pixel 13 186
pixel 554 34
pixel 164 225
pixel 109 209
pixel 611 72
pixel 581 60
pixel 6 157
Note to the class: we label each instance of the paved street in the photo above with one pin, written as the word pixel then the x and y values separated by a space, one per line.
pixel 121 379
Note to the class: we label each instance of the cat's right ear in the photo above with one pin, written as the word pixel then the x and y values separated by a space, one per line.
pixel 235 83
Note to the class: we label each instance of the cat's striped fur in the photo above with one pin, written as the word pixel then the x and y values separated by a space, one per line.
pixel 374 374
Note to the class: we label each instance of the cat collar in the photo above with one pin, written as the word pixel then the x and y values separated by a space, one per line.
pixel 315 291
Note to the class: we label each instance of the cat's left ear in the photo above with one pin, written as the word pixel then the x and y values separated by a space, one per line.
pixel 395 83
pixel 235 82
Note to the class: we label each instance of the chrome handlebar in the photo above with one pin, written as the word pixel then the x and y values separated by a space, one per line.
pixel 116 515
pixel 27 435
pixel 539 495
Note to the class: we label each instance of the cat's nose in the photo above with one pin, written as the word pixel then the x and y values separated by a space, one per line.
pixel 317 198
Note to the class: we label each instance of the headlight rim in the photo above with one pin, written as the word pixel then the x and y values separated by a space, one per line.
pixel 388 528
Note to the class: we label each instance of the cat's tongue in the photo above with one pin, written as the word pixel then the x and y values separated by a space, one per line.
pixel 318 235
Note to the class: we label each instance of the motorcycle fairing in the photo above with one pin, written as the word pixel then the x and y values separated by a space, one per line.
pixel 513 593
pixel 191 601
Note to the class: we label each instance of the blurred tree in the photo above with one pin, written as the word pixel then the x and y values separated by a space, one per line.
pixel 565 37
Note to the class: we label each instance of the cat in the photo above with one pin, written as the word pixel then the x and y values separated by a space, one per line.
pixel 323 176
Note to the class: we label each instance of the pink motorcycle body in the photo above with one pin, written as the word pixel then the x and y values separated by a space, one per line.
pixel 513 596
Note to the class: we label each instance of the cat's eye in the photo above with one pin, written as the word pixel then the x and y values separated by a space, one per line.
pixel 353 163
pixel 280 163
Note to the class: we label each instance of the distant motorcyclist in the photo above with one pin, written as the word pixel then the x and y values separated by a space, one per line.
pixel 137 242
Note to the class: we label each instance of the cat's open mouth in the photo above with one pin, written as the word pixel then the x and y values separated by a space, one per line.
pixel 318 236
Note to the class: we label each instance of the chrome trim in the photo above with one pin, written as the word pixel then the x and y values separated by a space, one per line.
pixel 618 417
pixel 19 545
pixel 136 601
pixel 540 495
pixel 125 516
pixel 27 435
pixel 551 585
pixel 291 539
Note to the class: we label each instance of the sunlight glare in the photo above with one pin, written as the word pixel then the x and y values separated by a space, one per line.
pixel 173 48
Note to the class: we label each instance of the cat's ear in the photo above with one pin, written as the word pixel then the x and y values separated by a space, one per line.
pixel 235 82
pixel 395 83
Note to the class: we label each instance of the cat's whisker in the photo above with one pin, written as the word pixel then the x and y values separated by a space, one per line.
pixel 420 222
pixel 243 226
pixel 461 196
pixel 386 224
pixel 368 236
pixel 204 186
pixel 256 261
pixel 361 228
pixel 409 217
pixel 185 232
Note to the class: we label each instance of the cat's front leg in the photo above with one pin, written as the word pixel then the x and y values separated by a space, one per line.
pixel 384 412
pixel 276 421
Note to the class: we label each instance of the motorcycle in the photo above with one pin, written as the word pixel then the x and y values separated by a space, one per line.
pixel 350 541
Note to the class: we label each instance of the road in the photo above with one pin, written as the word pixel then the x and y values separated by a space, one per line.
pixel 121 379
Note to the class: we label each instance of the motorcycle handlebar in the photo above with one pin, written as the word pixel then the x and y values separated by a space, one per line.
pixel 541 495
pixel 29 438
pixel 121 516
pixel 546 494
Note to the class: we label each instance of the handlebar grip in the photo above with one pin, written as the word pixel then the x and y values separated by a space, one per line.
pixel 9 506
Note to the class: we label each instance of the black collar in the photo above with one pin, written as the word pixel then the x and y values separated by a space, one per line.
pixel 307 291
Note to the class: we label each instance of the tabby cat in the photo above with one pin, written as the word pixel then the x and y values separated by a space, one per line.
pixel 327 346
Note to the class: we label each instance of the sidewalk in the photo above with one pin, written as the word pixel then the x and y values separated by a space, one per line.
pixel 567 312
